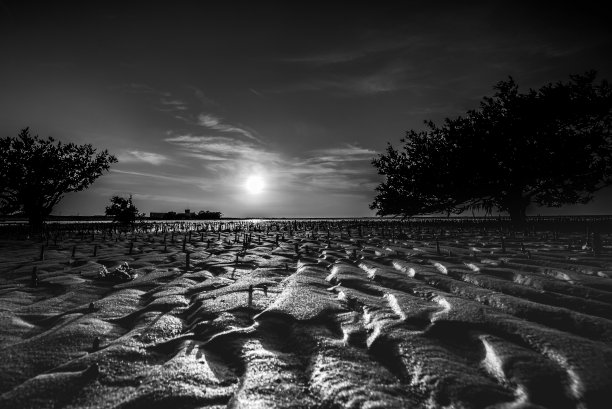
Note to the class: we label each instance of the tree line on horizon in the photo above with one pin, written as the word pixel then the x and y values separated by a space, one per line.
pixel 550 147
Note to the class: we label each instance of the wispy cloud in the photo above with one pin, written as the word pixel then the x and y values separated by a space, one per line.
pixel 141 156
pixel 341 168
pixel 172 105
pixel 221 148
pixel 259 94
pixel 371 49
pixel 344 168
pixel 380 78
pixel 346 153
pixel 212 122
pixel 204 99
pixel 165 101
pixel 154 176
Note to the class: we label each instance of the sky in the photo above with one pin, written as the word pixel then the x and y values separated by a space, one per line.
pixel 195 97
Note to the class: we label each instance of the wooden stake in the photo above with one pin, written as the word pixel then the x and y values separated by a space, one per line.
pixel 34 277
pixel 597 244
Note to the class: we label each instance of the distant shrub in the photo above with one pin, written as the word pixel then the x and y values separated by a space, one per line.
pixel 123 210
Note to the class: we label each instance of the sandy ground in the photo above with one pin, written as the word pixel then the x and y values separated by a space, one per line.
pixel 349 321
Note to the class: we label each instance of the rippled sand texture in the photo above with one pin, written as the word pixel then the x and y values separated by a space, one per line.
pixel 353 321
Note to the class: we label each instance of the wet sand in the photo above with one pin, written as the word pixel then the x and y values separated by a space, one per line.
pixel 350 320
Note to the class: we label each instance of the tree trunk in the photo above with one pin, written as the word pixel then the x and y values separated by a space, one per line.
pixel 36 214
pixel 516 210
pixel 35 220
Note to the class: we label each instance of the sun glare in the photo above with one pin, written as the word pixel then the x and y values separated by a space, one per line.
pixel 254 184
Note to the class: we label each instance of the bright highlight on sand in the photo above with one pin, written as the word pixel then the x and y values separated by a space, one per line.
pixel 255 184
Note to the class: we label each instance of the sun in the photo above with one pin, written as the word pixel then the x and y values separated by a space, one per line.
pixel 254 184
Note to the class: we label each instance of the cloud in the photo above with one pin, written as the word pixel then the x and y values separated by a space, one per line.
pixel 180 179
pixel 337 169
pixel 343 154
pixel 141 156
pixel 204 100
pixel 162 180
pixel 165 101
pixel 172 105
pixel 212 122
pixel 221 148
pixel 345 168
pixel 381 63
pixel 372 49
pixel 259 94
pixel 203 156
pixel 379 77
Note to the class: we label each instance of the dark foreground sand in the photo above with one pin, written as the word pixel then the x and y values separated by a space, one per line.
pixel 350 322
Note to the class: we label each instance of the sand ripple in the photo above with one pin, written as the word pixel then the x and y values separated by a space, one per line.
pixel 304 317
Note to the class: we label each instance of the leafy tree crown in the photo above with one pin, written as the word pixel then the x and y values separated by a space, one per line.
pixel 551 146
pixel 36 173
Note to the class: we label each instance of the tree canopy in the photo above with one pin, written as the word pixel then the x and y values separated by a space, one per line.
pixel 551 147
pixel 36 173
pixel 123 210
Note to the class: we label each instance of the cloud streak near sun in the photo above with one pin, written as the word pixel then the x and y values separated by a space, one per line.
pixel 212 122
pixel 340 168
pixel 141 156
pixel 216 155
pixel 220 148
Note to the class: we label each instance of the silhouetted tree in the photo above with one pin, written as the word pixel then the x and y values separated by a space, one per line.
pixel 35 173
pixel 123 210
pixel 551 147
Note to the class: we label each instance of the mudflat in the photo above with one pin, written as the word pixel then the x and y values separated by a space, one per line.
pixel 303 317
